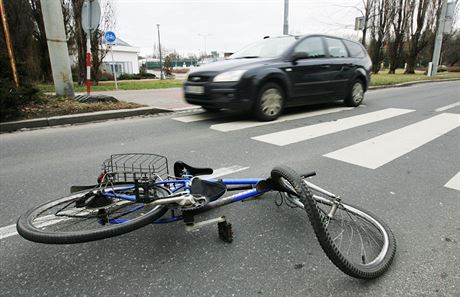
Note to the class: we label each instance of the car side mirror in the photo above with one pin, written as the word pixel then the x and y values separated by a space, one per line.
pixel 299 56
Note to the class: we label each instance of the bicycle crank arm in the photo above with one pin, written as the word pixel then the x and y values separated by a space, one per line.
pixel 181 200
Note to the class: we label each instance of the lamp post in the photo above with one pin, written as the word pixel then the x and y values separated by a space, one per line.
pixel 204 38
pixel 286 17
pixel 159 48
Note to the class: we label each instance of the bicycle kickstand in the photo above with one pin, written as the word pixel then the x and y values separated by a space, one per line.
pixel 224 227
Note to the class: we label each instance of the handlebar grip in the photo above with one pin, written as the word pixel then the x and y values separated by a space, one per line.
pixel 308 174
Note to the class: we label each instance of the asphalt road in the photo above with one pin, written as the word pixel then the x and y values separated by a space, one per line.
pixel 275 252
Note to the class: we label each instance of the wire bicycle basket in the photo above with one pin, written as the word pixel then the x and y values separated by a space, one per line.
pixel 129 167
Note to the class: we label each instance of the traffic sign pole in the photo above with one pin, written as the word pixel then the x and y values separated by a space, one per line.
pixel 88 66
pixel 88 52
pixel 114 70
pixel 90 18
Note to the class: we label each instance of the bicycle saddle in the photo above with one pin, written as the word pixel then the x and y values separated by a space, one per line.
pixel 209 189
pixel 180 168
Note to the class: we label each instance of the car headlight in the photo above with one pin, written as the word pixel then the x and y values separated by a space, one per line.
pixel 229 76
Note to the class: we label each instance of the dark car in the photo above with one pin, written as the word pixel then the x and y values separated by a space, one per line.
pixel 280 72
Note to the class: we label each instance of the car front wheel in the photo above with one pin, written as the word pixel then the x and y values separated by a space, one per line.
pixel 270 102
pixel 356 94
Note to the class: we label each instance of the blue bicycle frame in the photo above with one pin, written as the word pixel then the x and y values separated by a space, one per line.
pixel 177 186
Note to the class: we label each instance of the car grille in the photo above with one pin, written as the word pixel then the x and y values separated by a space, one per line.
pixel 198 78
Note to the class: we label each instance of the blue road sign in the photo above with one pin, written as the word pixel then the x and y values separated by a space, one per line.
pixel 110 37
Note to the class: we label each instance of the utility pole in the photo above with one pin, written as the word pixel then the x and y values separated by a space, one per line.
pixel 57 46
pixel 204 38
pixel 159 48
pixel 8 43
pixel 438 40
pixel 286 16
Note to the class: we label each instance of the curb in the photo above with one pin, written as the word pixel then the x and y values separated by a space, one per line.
pixel 411 83
pixel 79 118
pixel 114 114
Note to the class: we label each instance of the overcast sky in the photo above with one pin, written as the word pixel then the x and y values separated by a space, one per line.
pixel 228 24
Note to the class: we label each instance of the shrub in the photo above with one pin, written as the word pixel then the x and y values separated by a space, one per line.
pixel 12 99
pixel 453 69
pixel 105 76
pixel 181 70
pixel 126 76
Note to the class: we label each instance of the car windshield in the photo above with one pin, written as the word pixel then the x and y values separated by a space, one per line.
pixel 267 48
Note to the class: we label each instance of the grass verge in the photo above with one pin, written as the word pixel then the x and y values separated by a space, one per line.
pixel 383 78
pixel 122 85
pixel 49 106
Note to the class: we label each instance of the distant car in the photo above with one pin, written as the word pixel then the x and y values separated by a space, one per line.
pixel 280 72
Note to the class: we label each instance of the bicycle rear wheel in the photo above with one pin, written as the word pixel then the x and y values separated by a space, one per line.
pixel 356 241
pixel 88 216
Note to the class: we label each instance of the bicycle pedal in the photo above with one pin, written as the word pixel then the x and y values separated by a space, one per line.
pixel 191 226
pixel 225 231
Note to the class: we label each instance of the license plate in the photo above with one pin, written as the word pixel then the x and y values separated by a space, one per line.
pixel 194 89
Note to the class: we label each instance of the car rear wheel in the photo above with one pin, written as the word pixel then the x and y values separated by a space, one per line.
pixel 356 94
pixel 270 102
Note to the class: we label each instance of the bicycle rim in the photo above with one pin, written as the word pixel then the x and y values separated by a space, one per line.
pixel 357 242
pixel 361 238
pixel 65 220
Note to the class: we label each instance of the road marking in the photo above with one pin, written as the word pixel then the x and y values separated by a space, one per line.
pixel 448 107
pixel 198 117
pixel 308 132
pixel 238 125
pixel 454 183
pixel 226 171
pixel 382 149
pixel 10 230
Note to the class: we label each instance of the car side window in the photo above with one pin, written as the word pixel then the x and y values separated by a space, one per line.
pixel 336 48
pixel 355 49
pixel 313 46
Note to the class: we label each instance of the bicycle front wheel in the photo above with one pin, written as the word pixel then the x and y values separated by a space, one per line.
pixel 356 241
pixel 88 216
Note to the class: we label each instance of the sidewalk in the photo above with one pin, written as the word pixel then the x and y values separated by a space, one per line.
pixel 169 99
pixel 157 101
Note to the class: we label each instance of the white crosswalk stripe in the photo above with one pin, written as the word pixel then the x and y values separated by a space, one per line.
pixel 198 117
pixel 286 137
pixel 454 182
pixel 382 149
pixel 239 125
pixel 444 108
pixel 226 171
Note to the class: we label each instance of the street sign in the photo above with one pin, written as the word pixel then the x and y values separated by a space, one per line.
pixel 449 21
pixel 90 15
pixel 359 23
pixel 110 38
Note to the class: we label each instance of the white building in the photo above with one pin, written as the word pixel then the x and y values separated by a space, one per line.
pixel 125 58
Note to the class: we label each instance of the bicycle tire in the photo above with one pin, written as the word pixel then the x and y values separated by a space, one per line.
pixel 34 228
pixel 320 224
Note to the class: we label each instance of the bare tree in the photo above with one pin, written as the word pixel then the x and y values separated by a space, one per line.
pixel 40 37
pixel 422 17
pixel 367 15
pixel 399 26
pixel 383 11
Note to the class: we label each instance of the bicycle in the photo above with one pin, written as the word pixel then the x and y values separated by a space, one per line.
pixel 135 190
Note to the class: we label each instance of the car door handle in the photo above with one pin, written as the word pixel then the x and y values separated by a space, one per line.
pixel 325 66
